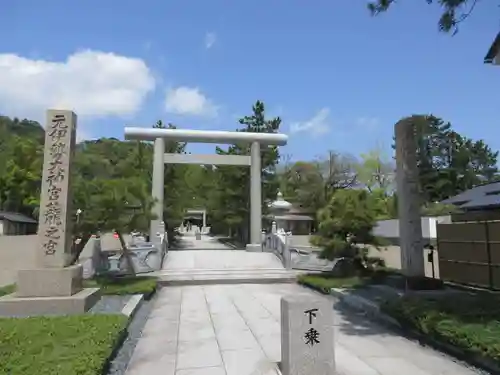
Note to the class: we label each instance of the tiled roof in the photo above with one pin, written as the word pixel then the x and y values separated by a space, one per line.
pixel 493 51
pixel 482 196
pixel 16 218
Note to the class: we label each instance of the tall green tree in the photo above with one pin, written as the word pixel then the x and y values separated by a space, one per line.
pixel 448 162
pixel 454 12
pixel 312 183
pixel 20 176
pixel 119 205
pixel 232 198
pixel 346 224
pixel 375 171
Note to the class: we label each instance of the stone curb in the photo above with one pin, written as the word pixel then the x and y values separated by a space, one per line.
pixel 128 310
pixel 132 305
pixel 373 311
pixel 229 244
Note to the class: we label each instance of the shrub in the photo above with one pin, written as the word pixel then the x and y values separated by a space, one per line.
pixel 123 285
pixel 7 289
pixel 470 322
pixel 111 285
pixel 76 345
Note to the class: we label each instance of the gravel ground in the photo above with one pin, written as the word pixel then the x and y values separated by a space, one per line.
pixel 110 305
pixel 120 362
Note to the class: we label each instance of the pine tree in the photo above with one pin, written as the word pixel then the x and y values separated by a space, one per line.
pixel 234 182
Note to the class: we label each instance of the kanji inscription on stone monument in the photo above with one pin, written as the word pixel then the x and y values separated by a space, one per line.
pixel 54 230
pixel 312 335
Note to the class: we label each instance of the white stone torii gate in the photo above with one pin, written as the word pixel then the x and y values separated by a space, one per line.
pixel 209 136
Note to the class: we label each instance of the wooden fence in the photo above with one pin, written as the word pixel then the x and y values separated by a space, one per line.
pixel 469 253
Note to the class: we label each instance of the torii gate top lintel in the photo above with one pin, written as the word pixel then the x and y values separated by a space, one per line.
pixel 205 136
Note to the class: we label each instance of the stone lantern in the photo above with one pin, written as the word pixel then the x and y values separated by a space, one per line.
pixel 280 208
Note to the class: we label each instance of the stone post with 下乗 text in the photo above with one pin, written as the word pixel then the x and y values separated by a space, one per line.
pixel 55 286
pixel 307 343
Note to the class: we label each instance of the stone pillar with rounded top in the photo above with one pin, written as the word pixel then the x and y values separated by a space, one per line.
pixel 55 286
pixel 409 202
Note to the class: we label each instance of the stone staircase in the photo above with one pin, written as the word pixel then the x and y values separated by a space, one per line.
pixel 225 276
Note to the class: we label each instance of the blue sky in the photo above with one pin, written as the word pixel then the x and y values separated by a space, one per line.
pixel 339 78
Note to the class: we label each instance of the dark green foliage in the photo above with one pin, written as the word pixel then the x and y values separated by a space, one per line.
pixel 123 285
pixel 345 223
pixel 470 321
pixel 230 201
pixel 7 289
pixel 454 11
pixel 449 163
pixel 76 345
pixel 110 285
pixel 311 184
pixel 21 152
pixel 112 180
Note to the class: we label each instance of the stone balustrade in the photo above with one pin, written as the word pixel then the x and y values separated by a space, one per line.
pixel 146 256
pixel 277 242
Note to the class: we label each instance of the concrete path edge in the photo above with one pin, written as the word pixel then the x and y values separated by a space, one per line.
pixel 372 310
pixel 132 305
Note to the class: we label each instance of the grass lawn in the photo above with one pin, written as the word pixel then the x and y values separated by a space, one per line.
pixel 7 289
pixel 70 345
pixel 111 285
pixel 324 283
pixel 470 322
pixel 123 285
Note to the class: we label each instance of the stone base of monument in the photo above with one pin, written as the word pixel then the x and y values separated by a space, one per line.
pixel 49 291
pixel 254 247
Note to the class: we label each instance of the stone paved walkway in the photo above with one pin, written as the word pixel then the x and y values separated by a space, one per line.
pixel 235 330
pixel 189 242
pixel 205 265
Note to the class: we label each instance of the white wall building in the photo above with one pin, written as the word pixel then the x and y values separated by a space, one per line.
pixel 389 229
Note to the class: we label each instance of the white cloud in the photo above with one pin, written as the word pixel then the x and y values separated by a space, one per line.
pixel 91 83
pixel 189 101
pixel 82 135
pixel 317 125
pixel 210 39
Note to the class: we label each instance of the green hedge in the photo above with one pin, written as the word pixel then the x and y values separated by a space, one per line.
pixel 468 322
pixel 69 345
pixel 123 285
pixel 111 285
pixel 7 289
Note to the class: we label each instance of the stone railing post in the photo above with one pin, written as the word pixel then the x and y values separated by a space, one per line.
pixel 307 345
pixel 287 255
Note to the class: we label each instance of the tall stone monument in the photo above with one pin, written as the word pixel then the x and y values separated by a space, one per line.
pixel 55 286
pixel 409 203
